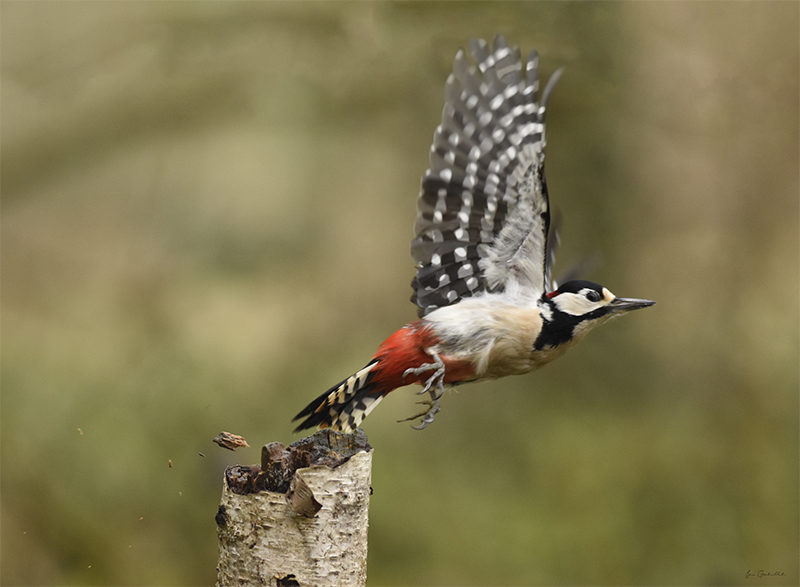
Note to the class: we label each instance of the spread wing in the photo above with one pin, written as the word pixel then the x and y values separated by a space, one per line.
pixel 483 213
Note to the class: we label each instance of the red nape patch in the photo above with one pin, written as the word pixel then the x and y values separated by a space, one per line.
pixel 552 294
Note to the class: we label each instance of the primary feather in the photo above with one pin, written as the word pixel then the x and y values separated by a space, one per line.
pixel 483 213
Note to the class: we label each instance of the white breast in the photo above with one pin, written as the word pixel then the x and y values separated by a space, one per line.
pixel 496 332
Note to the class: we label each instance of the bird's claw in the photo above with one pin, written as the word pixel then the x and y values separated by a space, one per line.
pixel 427 416
pixel 437 378
pixel 433 386
pixel 436 392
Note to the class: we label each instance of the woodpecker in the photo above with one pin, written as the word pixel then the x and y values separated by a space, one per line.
pixel 483 249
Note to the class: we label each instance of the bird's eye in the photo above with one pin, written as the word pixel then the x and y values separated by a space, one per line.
pixel 592 296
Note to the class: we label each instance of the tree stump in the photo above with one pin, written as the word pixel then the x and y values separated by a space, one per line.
pixel 300 517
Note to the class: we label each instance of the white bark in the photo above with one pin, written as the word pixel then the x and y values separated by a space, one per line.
pixel 262 541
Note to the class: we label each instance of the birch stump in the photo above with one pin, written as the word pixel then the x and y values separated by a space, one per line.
pixel 300 517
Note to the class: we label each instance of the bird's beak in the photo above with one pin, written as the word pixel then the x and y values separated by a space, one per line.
pixel 619 305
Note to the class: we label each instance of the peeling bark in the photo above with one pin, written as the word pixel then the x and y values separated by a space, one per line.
pixel 263 541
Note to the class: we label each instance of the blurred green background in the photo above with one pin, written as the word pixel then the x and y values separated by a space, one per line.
pixel 206 212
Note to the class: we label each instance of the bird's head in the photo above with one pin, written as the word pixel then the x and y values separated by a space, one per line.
pixel 579 306
pixel 592 301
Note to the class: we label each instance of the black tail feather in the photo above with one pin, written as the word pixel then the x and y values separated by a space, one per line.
pixel 345 405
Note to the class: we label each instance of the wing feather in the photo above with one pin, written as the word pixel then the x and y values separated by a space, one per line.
pixel 483 212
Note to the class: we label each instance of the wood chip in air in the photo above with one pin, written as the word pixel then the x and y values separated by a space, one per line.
pixel 230 441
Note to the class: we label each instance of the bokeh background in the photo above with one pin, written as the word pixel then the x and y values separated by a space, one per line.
pixel 206 212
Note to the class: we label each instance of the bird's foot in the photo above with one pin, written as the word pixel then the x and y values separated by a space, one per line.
pixel 436 379
pixel 434 386
pixel 427 415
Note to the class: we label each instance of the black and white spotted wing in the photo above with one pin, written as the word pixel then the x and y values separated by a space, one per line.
pixel 483 213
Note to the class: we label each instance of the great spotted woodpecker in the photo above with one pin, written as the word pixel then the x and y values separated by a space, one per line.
pixel 483 249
